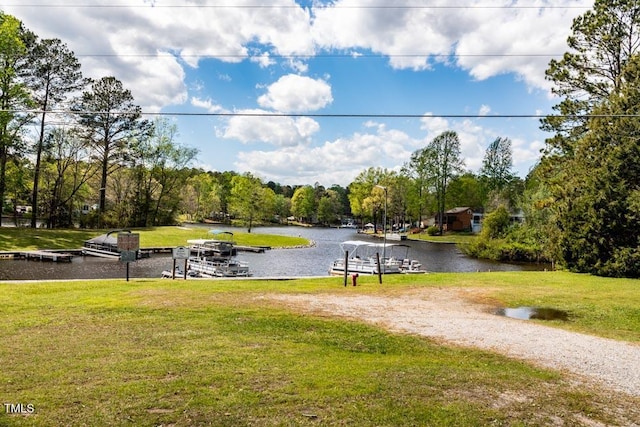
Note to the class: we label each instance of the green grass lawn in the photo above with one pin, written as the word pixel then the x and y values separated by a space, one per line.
pixel 32 239
pixel 157 352
pixel 459 238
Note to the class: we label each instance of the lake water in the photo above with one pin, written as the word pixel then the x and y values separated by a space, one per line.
pixel 304 262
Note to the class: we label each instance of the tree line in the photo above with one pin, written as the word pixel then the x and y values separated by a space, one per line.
pixel 421 188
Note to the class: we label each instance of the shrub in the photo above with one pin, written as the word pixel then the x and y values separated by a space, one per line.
pixel 433 230
pixel 496 224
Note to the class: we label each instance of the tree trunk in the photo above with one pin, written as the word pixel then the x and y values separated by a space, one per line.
pixel 36 173
pixel 103 185
pixel 3 169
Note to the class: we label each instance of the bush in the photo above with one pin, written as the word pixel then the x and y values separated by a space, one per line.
pixel 484 249
pixel 433 230
pixel 504 250
pixel 624 262
pixel 496 224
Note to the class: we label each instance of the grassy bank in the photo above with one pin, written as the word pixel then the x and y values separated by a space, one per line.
pixel 458 238
pixel 32 239
pixel 151 352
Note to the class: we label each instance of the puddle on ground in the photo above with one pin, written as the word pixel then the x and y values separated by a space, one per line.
pixel 540 313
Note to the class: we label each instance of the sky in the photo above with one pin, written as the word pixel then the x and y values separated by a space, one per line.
pixel 305 92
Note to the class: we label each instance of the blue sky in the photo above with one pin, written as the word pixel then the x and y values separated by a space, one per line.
pixel 423 58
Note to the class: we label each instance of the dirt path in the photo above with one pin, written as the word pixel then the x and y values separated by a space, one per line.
pixel 450 316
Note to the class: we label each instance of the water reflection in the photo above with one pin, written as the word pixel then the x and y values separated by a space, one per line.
pixel 305 262
pixel 527 313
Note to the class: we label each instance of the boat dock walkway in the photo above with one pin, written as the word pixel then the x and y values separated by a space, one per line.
pixel 53 256
pixel 66 255
pixel 255 249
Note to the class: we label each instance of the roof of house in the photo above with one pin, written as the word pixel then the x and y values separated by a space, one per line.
pixel 458 210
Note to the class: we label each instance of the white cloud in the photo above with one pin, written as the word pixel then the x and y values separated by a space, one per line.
pixel 473 142
pixel 525 154
pixel 512 37
pixel 407 35
pixel 296 94
pixel 207 104
pixel 515 40
pixel 484 110
pixel 382 147
pixel 334 162
pixel 131 42
pixel 264 60
pixel 298 66
pixel 249 126
pixel 433 125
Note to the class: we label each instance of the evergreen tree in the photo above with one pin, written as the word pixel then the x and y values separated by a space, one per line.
pixel 54 75
pixel 583 178
pixel 601 43
pixel 111 121
pixel 599 213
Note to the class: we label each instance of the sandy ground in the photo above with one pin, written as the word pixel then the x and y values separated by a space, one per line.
pixel 452 316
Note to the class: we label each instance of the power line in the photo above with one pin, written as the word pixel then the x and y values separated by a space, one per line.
pixel 331 115
pixel 289 6
pixel 354 54
pixel 329 55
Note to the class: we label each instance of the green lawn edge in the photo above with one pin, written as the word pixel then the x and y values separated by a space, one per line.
pixel 13 239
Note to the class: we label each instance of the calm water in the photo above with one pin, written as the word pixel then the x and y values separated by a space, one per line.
pixel 313 261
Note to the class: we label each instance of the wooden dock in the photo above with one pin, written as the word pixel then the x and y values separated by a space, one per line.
pixel 46 256
pixel 255 249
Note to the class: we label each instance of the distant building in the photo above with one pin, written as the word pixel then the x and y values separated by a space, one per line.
pixel 23 209
pixel 516 217
pixel 476 223
pixel 457 219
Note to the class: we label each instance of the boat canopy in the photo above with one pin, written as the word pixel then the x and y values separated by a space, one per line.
pixel 201 241
pixel 361 243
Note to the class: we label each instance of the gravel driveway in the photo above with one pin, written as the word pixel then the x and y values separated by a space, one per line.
pixel 449 315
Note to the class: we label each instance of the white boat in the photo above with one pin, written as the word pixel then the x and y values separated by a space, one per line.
pixel 222 246
pixel 362 257
pixel 214 257
pixel 204 267
pixel 396 236
pixel 349 224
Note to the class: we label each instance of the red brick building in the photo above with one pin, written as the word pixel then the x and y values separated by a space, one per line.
pixel 458 219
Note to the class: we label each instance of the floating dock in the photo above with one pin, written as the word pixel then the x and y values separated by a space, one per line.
pixel 48 256
pixel 38 255
pixel 255 249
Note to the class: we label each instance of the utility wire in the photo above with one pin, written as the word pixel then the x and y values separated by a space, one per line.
pixel 355 55
pixel 288 6
pixel 330 115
